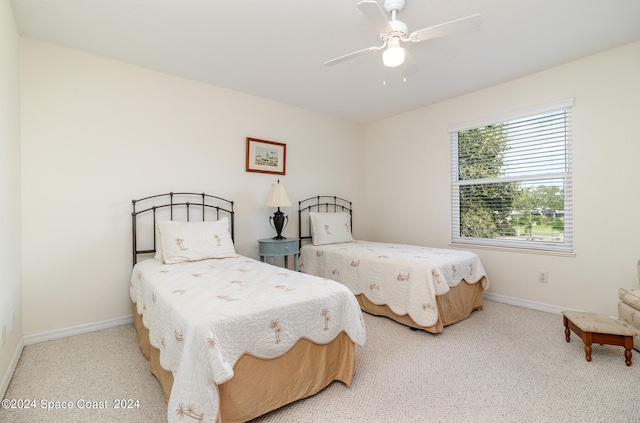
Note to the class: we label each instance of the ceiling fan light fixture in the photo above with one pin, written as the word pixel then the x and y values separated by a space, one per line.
pixel 394 55
pixel 393 31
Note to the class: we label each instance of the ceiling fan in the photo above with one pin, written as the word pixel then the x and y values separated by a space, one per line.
pixel 394 32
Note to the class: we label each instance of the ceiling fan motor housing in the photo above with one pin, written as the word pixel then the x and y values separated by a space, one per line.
pixel 399 28
pixel 391 5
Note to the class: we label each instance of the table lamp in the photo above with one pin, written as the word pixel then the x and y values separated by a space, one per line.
pixel 278 198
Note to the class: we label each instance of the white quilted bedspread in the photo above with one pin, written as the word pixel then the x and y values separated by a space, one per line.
pixel 407 278
pixel 203 316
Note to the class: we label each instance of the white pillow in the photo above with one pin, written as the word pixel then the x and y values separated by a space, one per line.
pixel 158 255
pixel 330 228
pixel 192 241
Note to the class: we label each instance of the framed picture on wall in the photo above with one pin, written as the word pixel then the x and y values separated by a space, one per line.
pixel 266 156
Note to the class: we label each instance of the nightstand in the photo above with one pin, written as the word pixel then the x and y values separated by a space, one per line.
pixel 270 248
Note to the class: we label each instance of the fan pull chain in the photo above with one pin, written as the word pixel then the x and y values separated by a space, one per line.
pixel 384 78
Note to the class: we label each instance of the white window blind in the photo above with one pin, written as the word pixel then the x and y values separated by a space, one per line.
pixel 511 180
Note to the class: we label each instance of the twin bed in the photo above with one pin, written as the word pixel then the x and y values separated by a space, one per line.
pixel 424 288
pixel 231 338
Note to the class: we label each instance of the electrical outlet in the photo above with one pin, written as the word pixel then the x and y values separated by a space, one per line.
pixel 543 277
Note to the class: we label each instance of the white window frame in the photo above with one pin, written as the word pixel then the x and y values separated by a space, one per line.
pixel 566 246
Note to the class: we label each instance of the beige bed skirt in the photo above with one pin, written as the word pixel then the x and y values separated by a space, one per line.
pixel 454 306
pixel 258 385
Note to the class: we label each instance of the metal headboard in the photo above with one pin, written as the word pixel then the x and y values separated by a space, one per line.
pixel 323 204
pixel 178 205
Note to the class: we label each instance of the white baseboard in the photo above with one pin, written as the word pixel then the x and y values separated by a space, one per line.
pixel 125 320
pixel 56 334
pixel 524 303
pixel 76 330
pixel 105 324
pixel 12 367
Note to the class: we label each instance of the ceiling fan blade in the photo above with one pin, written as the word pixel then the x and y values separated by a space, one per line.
pixel 469 23
pixel 353 55
pixel 376 15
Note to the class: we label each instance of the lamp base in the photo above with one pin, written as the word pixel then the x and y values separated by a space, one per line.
pixel 278 222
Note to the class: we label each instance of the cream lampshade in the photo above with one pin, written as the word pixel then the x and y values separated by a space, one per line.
pixel 278 198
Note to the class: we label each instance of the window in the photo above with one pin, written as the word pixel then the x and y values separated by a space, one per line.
pixel 511 180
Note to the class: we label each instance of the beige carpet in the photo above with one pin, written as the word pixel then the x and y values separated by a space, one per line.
pixel 503 364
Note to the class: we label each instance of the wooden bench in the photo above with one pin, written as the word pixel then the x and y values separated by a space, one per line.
pixel 600 329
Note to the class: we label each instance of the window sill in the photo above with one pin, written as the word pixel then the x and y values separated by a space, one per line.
pixel 468 246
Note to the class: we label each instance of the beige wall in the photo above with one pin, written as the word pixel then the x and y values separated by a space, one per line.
pixel 408 162
pixel 10 295
pixel 97 133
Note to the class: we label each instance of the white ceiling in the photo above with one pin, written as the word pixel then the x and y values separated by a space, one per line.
pixel 275 49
